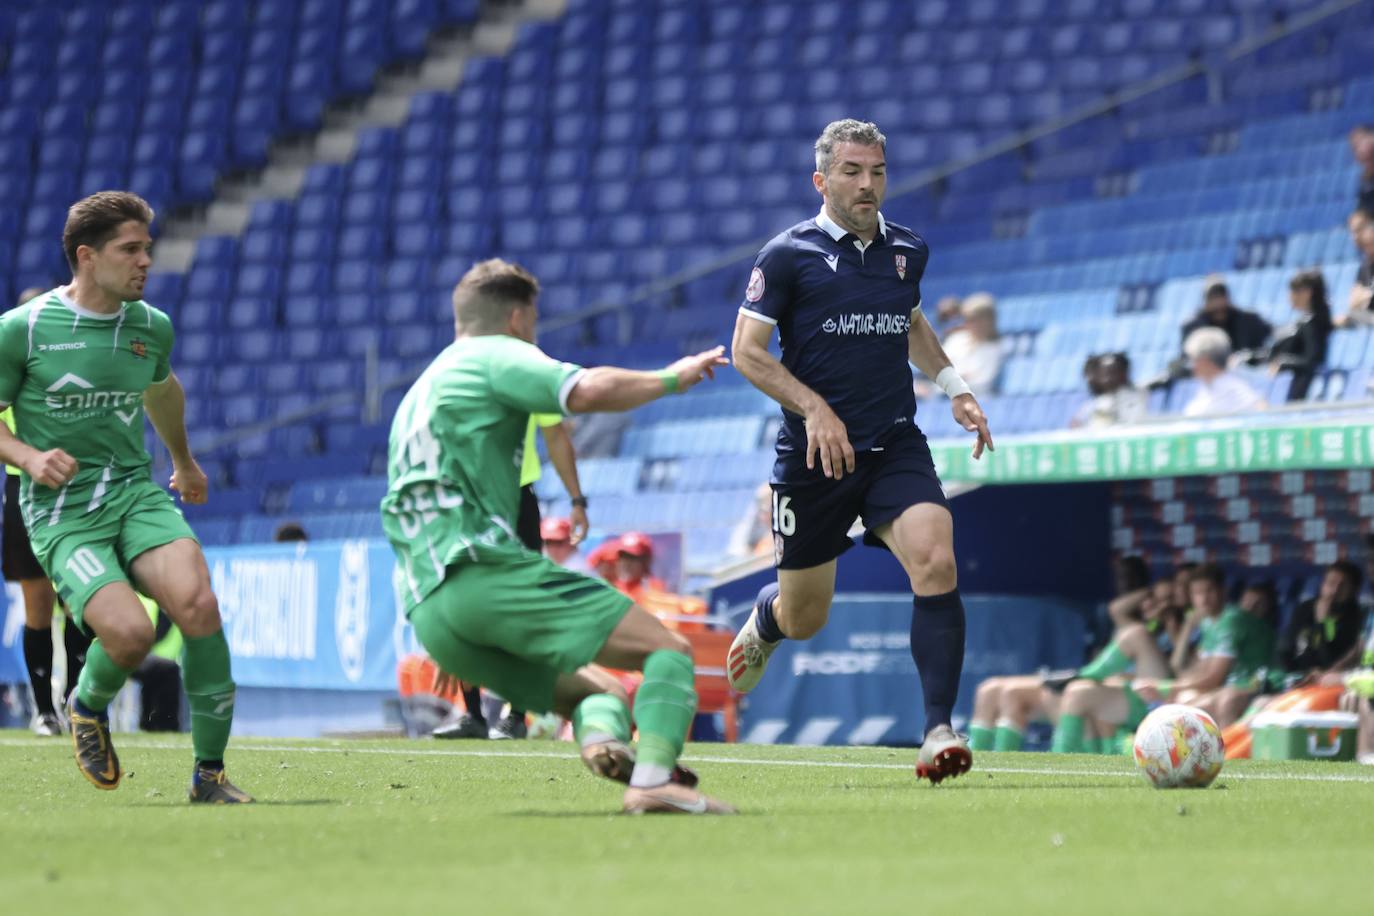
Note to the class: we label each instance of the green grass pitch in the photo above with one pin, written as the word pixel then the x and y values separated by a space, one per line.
pixel 403 828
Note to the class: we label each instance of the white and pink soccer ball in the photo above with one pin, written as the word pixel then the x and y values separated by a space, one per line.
pixel 1179 747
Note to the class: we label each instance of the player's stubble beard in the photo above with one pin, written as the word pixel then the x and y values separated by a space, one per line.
pixel 853 219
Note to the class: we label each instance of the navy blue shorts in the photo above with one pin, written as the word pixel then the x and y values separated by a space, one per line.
pixel 812 514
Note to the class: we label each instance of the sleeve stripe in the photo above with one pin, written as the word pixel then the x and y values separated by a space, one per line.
pixel 757 316
pixel 569 384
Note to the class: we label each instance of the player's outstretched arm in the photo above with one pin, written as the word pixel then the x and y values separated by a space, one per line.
pixel 924 349
pixel 826 435
pixel 52 468
pixel 609 389
pixel 165 402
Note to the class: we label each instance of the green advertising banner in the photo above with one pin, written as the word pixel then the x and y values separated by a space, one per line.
pixel 1161 451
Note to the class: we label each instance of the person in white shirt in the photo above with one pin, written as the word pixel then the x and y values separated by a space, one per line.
pixel 974 348
pixel 1114 399
pixel 1219 391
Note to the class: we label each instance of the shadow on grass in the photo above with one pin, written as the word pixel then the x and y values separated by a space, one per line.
pixel 976 786
pixel 257 803
pixel 610 814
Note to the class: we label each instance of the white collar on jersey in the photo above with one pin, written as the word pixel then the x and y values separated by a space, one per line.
pixel 837 232
pixel 84 312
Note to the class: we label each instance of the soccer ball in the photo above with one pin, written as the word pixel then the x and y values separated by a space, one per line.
pixel 1179 747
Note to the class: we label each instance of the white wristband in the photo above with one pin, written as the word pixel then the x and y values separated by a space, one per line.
pixel 951 384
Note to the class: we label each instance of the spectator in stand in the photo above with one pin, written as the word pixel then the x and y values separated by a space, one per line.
pixel 975 349
pixel 1114 399
pixel 290 531
pixel 1220 391
pixel 1244 330
pixel 1362 148
pixel 1361 300
pixel 1301 347
pixel 634 565
pixel 753 536
pixel 949 314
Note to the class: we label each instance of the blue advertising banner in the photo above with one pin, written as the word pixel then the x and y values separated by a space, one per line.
pixel 319 615
pixel 855 682
pixel 12 670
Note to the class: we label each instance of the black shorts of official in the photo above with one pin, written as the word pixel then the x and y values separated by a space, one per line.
pixel 16 556
pixel 527 525
pixel 819 511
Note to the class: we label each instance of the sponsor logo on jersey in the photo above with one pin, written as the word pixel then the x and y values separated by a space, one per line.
pixel 139 348
pixel 901 266
pixel 834 261
pixel 70 405
pixel 74 345
pixel 858 324
pixel 754 292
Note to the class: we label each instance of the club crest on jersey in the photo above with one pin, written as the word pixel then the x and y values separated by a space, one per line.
pixel 754 292
pixel 901 266
pixel 138 348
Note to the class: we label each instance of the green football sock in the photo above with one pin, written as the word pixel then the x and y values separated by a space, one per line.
pixel 600 717
pixel 1068 735
pixel 1008 738
pixel 1123 742
pixel 100 679
pixel 209 692
pixel 980 736
pixel 1109 661
pixel 1105 745
pixel 664 706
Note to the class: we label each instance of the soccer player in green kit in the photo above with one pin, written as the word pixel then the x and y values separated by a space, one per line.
pixel 488 609
pixel 80 365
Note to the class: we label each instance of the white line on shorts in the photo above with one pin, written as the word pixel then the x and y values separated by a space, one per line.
pixel 693 759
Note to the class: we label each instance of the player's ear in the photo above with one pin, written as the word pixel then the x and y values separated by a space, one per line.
pixel 818 180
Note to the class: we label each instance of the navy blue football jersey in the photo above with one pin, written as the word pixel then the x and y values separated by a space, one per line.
pixel 843 311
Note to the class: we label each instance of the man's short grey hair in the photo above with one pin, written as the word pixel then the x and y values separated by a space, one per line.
pixel 1211 344
pixel 864 133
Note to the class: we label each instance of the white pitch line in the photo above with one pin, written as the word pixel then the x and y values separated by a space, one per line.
pixel 819 764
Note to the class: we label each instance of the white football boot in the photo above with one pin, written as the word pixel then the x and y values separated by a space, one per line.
pixel 943 755
pixel 748 656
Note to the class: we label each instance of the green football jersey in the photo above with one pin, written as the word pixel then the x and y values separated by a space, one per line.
pixel 456 450
pixel 75 379
pixel 1242 637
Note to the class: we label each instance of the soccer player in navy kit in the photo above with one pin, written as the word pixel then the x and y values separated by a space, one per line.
pixel 843 290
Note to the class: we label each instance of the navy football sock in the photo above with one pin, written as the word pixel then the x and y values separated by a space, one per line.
pixel 767 624
pixel 937 647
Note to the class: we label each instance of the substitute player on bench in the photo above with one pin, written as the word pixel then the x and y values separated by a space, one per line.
pixel 843 290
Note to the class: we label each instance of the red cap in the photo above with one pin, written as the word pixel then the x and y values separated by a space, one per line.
pixel 637 545
pixel 555 529
pixel 603 553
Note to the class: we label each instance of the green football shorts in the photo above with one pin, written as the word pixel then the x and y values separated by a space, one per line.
pixel 83 553
pixel 513 627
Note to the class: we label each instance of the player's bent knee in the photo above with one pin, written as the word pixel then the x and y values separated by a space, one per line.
pixel 127 641
pixel 200 617
pixel 1130 634
pixel 1078 697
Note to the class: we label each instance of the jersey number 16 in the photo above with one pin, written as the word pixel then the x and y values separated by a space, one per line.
pixel 784 519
